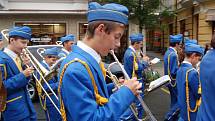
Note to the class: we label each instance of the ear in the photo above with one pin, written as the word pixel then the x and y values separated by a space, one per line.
pixel 100 28
pixel 11 40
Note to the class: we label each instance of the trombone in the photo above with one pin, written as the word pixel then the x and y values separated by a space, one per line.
pixel 39 68
pixel 149 114
pixel 54 68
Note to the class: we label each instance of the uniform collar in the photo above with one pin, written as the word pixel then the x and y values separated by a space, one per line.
pixel 132 48
pixel 173 49
pixel 89 50
pixel 186 62
pixel 66 51
pixel 10 53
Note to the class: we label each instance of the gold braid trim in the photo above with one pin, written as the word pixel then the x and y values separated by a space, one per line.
pixel 173 85
pixel 99 99
pixel 135 66
pixel 187 97
pixel 41 97
pixel 4 105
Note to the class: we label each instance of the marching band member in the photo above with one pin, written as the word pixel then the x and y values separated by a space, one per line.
pixel 84 94
pixel 50 57
pixel 134 67
pixel 207 70
pixel 170 68
pixel 15 78
pixel 67 42
pixel 188 83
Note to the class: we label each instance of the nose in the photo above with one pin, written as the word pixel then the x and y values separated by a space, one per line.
pixel 117 44
pixel 25 46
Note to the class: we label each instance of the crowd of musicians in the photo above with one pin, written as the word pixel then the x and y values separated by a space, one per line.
pixel 80 86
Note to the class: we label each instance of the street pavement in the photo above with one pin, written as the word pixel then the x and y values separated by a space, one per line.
pixel 158 101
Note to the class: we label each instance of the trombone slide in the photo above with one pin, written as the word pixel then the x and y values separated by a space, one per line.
pixel 145 107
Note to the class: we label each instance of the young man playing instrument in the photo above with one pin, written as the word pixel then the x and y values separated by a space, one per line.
pixel 171 63
pixel 84 94
pixel 15 77
pixel 135 66
pixel 50 58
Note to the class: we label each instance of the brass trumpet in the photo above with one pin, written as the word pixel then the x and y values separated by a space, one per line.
pixel 149 115
pixel 118 85
pixel 39 68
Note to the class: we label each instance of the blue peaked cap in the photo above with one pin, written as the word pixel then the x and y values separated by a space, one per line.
pixel 136 37
pixel 69 37
pixel 191 48
pixel 52 51
pixel 109 12
pixel 175 38
pixel 24 32
pixel 190 41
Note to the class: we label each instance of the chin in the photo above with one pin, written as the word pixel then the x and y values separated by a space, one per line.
pixel 104 54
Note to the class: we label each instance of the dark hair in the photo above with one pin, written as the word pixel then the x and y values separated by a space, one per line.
pixel 173 44
pixel 213 42
pixel 132 43
pixel 196 54
pixel 15 37
pixel 109 26
pixel 64 42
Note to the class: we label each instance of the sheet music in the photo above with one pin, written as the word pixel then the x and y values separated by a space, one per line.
pixel 155 60
pixel 158 82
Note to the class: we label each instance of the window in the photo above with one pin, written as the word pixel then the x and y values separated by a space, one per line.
pixel 182 26
pixel 196 25
pixel 45 33
pixel 213 27
pixel 170 29
pixel 82 30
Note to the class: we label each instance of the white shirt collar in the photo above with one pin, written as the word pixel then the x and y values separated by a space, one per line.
pixel 10 53
pixel 187 62
pixel 132 48
pixel 89 50
pixel 66 51
pixel 173 49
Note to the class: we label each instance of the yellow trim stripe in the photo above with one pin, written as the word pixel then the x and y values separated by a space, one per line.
pixel 165 90
pixel 14 99
pixel 173 85
pixel 5 71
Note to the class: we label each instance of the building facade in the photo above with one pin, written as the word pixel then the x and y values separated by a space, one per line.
pixel 52 19
pixel 194 19
pixel 49 19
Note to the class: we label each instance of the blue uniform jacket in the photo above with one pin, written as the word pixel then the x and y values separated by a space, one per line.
pixel 171 66
pixel 207 70
pixel 128 64
pixel 193 86
pixel 78 93
pixel 19 105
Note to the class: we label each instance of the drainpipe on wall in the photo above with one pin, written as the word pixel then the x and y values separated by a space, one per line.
pixel 192 21
pixel 176 1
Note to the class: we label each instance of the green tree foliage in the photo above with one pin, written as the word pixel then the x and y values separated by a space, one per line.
pixel 143 11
